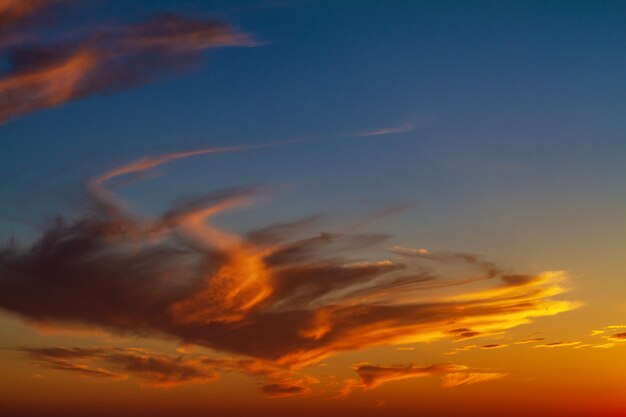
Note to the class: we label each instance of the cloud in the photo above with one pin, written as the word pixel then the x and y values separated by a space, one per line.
pixel 405 128
pixel 618 337
pixel 155 370
pixel 464 334
pixel 178 276
pixel 375 375
pixel 16 15
pixel 493 346
pixel 104 60
pixel 461 349
pixel 283 390
pixel 160 370
pixel 452 375
pixel 604 345
pixel 274 381
pixel 14 11
pixel 557 344
pixel 455 379
pixel 530 340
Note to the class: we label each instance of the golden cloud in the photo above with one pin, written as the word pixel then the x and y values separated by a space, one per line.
pixel 274 296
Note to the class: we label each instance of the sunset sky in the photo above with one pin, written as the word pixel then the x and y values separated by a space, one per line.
pixel 312 208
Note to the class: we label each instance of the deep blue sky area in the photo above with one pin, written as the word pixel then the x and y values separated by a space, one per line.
pixel 517 107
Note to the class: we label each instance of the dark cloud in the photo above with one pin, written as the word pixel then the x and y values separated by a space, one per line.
pixel 17 15
pixel 162 370
pixel 557 344
pixel 102 61
pixel 620 337
pixel 464 333
pixel 267 297
pixel 445 256
pixel 452 375
pixel 530 340
pixel 493 346
pixel 152 369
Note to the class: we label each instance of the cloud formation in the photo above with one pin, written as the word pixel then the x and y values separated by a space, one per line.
pixel 452 375
pixel 159 370
pixel 153 369
pixel 454 379
pixel 493 346
pixel 557 344
pixel 530 340
pixel 375 375
pixel 18 15
pixel 280 295
pixel 618 337
pixel 45 75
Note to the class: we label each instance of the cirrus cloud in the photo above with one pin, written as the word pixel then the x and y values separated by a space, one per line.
pixel 43 75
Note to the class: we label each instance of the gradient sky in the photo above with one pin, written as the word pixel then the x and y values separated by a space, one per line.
pixel 419 207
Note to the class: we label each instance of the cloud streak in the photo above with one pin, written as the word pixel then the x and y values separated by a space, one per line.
pixel 17 15
pixel 455 379
pixel 557 344
pixel 101 61
pixel 405 128
pixel 155 370
pixel 618 337
pixel 375 375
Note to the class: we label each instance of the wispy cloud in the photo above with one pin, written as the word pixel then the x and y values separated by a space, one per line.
pixel 177 275
pixel 618 337
pixel 557 344
pixel 159 370
pixel 405 128
pixel 493 346
pixel 452 375
pixel 530 340
pixel 16 16
pixel 375 375
pixel 454 379
pixel 102 60
pixel 153 369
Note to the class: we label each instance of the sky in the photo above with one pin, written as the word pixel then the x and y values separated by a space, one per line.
pixel 312 207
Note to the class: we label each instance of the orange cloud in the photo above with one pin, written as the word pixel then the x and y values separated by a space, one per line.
pixel 158 370
pixel 455 379
pixel 452 375
pixel 461 349
pixel 178 276
pixel 284 390
pixel 530 340
pixel 155 370
pixel 14 13
pixel 557 344
pixel 618 337
pixel 102 61
pixel 464 334
pixel 375 375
